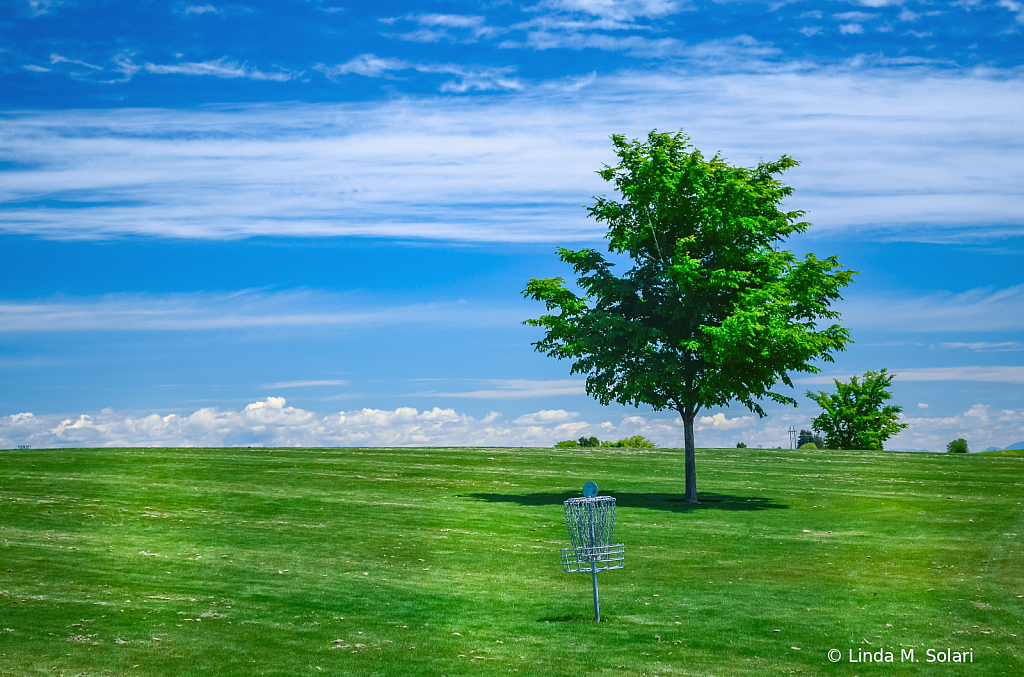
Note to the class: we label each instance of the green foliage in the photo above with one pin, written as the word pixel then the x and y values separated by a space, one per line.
pixel 810 446
pixel 635 442
pixel 807 437
pixel 741 445
pixel 713 310
pixel 856 416
pixel 958 446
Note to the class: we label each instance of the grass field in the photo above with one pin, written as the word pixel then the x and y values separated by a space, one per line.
pixel 299 562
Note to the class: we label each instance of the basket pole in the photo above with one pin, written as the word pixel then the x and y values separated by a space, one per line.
pixel 593 565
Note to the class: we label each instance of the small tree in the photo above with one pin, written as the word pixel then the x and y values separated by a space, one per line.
pixel 958 446
pixel 856 416
pixel 741 445
pixel 713 310
pixel 589 442
pixel 567 444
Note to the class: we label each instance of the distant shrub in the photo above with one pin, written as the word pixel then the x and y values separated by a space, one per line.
pixel 957 446
pixel 567 444
pixel 634 442
pixel 810 446
pixel 806 436
pixel 741 445
pixel 589 442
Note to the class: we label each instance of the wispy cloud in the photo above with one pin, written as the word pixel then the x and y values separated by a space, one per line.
pixel 41 7
pixel 519 389
pixel 57 58
pixel 436 28
pixel 620 10
pixel 123 63
pixel 232 311
pixel 1005 374
pixel 882 155
pixel 987 347
pixel 303 384
pixel 981 374
pixel 470 78
pixel 220 68
pixel 982 309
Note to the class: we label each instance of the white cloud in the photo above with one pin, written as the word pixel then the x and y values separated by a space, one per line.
pixel 200 9
pixel 877 3
pixel 220 68
pixel 719 421
pixel 851 29
pixel 41 7
pixel 271 422
pixel 882 151
pixel 981 427
pixel 1015 7
pixel 36 69
pixel 854 16
pixel 907 15
pixel 547 416
pixel 200 311
pixel 811 31
pixel 922 405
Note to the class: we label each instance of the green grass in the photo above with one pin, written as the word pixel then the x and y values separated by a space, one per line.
pixel 1004 452
pixel 434 562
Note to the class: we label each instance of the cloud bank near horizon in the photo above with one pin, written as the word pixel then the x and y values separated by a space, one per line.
pixel 271 422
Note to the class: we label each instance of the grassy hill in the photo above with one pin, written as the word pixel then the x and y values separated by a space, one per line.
pixel 298 562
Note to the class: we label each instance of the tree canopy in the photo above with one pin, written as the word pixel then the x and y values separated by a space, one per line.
pixel 856 416
pixel 712 310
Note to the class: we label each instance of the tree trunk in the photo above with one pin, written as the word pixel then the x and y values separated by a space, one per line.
pixel 691 459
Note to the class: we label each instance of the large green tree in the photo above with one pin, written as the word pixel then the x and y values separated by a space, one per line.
pixel 712 310
pixel 856 416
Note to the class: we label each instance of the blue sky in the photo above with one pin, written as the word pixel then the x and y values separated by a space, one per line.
pixel 309 223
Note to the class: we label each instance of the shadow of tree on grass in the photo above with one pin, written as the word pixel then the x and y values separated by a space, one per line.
pixel 652 501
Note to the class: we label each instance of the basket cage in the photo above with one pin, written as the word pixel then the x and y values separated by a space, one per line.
pixel 591 521
pixel 591 524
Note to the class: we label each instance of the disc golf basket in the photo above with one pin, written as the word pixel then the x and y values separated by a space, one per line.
pixel 591 522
